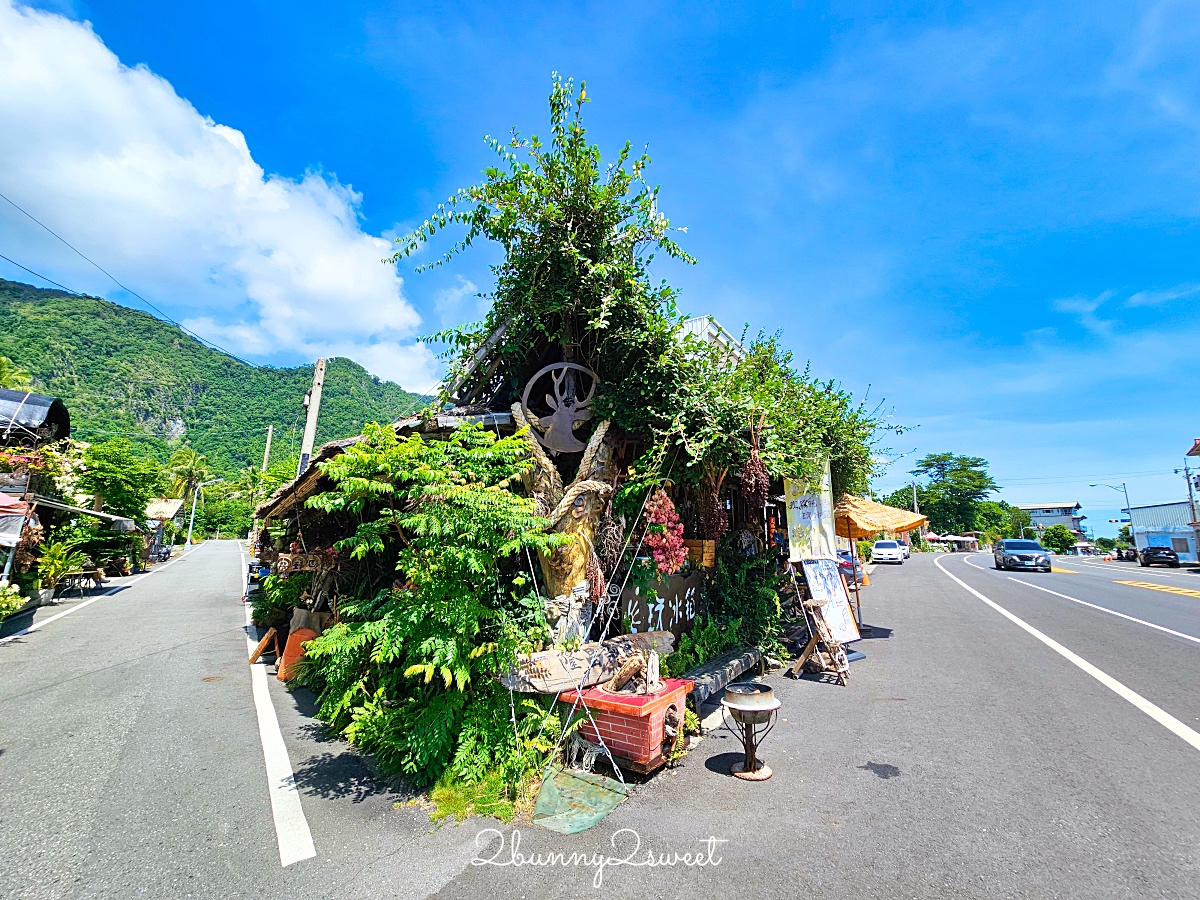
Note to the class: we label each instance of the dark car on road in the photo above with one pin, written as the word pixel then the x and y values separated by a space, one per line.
pixel 1017 554
pixel 1165 556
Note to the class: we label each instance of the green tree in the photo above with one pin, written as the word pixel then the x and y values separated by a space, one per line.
pixel 955 487
pixel 578 236
pixel 1106 543
pixel 12 375
pixel 1124 538
pixel 228 514
pixel 1058 538
pixel 123 480
pixel 998 519
pixel 189 469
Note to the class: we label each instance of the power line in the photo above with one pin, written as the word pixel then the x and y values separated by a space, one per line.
pixel 112 277
pixel 36 275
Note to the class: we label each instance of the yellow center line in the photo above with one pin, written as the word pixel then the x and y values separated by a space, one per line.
pixel 1186 592
pixel 1064 571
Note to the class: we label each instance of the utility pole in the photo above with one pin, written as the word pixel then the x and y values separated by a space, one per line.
pixel 1187 476
pixel 267 452
pixel 313 401
pixel 266 463
pixel 192 521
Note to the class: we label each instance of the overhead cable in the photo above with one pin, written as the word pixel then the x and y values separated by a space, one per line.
pixel 112 277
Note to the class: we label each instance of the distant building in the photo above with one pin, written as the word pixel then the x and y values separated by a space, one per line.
pixel 1165 525
pixel 1043 515
pixel 709 329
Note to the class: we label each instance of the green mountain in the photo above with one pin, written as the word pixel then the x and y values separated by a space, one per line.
pixel 124 372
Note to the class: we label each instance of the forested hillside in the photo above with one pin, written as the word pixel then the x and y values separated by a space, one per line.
pixel 124 372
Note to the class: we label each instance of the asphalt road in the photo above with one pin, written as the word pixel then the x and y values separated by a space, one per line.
pixel 966 758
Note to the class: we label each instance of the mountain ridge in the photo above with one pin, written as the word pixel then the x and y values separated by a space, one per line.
pixel 124 372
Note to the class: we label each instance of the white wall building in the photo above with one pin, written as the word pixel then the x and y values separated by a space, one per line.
pixel 1043 515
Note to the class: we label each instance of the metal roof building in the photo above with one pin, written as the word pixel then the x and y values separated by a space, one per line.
pixel 1165 525
pixel 30 420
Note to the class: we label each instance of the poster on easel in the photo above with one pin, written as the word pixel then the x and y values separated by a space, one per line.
pixel 827 588
pixel 810 517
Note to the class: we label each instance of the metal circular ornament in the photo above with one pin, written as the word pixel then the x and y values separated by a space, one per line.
pixel 556 432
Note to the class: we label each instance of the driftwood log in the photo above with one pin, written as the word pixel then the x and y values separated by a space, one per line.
pixel 631 667
pixel 573 509
pixel 555 671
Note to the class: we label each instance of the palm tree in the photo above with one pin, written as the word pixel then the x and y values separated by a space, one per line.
pixel 12 375
pixel 251 485
pixel 188 470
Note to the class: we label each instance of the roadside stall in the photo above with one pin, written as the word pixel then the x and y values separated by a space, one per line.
pixel 858 518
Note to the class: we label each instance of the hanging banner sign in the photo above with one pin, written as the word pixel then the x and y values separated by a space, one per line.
pixel 810 518
pixel 827 588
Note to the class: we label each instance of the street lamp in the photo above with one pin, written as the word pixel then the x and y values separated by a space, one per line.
pixel 1128 507
pixel 195 494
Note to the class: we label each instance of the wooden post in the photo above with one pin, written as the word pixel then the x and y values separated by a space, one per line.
pixel 313 401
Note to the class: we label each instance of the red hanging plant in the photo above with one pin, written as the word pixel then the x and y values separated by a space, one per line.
pixel 756 480
pixel 664 533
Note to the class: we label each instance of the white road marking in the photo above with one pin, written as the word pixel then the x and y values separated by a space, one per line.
pixel 1111 612
pixel 291 826
pixel 88 602
pixel 1159 715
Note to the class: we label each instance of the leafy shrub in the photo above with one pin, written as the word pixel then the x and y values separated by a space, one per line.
pixel 10 599
pixel 708 640
pixel 57 559
pixel 741 594
pixel 273 605
pixel 408 675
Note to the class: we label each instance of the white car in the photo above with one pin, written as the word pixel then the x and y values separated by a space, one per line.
pixel 887 551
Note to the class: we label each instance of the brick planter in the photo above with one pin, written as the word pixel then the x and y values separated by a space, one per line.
pixel 632 724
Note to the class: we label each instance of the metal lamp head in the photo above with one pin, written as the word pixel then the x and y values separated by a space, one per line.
pixel 753 710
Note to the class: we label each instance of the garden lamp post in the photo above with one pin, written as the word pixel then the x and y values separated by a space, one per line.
pixel 195 494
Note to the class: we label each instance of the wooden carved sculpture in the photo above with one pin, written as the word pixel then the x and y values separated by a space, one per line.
pixel 569 410
pixel 573 509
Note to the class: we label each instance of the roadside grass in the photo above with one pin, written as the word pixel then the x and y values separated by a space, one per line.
pixel 487 797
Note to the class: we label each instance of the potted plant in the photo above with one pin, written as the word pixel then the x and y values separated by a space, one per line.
pixel 58 558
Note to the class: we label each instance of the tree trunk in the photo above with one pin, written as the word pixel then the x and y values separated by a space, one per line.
pixel 573 510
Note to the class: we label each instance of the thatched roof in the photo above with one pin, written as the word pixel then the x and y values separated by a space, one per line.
pixel 857 517
pixel 298 490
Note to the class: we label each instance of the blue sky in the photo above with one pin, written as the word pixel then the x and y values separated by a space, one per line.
pixel 982 215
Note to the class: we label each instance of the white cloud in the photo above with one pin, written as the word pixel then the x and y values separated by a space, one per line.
pixel 1085 308
pixel 460 303
pixel 1154 298
pixel 175 205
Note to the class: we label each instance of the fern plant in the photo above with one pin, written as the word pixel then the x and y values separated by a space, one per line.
pixel 407 674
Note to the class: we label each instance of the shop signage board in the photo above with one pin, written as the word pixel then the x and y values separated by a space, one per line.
pixel 810 518
pixel 671 605
pixel 287 563
pixel 827 588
